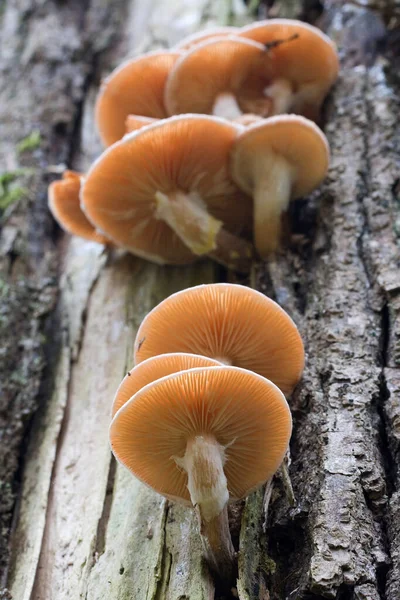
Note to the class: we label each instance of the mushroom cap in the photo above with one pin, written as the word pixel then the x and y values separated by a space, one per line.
pixel 293 137
pixel 155 368
pixel 223 65
pixel 230 323
pixel 310 57
pixel 135 87
pixel 246 413
pixel 135 122
pixel 201 36
pixel 63 199
pixel 188 153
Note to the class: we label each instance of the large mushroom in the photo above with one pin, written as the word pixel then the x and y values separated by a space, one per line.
pixel 229 323
pixel 279 159
pixel 164 192
pixel 225 77
pixel 305 68
pixel 202 437
pixel 64 204
pixel 135 87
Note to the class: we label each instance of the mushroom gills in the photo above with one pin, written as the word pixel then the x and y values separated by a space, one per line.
pixel 272 192
pixel 203 234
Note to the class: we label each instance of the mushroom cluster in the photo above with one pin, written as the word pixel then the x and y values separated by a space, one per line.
pixel 202 418
pixel 194 133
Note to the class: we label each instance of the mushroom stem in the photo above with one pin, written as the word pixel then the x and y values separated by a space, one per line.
pixel 226 106
pixel 281 94
pixel 272 193
pixel 202 233
pixel 204 463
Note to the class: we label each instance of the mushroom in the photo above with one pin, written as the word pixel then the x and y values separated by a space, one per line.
pixel 63 199
pixel 135 122
pixel 136 87
pixel 155 368
pixel 164 192
pixel 305 69
pixel 225 77
pixel 282 158
pixel 204 436
pixel 201 36
pixel 230 323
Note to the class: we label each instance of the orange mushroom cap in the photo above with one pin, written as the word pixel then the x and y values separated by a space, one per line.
pixel 186 155
pixel 201 36
pixel 309 61
pixel 246 414
pixel 155 368
pixel 231 323
pixel 203 78
pixel 135 122
pixel 136 87
pixel 64 204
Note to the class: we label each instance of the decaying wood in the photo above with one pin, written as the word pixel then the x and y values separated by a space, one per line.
pixel 83 528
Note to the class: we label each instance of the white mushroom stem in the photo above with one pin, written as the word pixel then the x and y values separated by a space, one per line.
pixel 226 106
pixel 281 94
pixel 273 178
pixel 204 463
pixel 203 234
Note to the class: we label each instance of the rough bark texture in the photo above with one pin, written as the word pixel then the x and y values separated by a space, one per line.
pixel 82 527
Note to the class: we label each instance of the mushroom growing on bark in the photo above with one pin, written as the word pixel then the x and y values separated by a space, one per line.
pixel 155 368
pixel 204 436
pixel 64 204
pixel 135 87
pixel 165 193
pixel 277 160
pixel 305 69
pixel 229 323
pixel 225 77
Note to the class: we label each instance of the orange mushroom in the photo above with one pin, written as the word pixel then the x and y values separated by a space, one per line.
pixel 164 193
pixel 233 324
pixel 204 436
pixel 155 368
pixel 305 69
pixel 64 204
pixel 276 160
pixel 135 122
pixel 201 36
pixel 136 87
pixel 225 77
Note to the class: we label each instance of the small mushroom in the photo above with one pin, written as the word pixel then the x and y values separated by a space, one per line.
pixel 225 77
pixel 231 323
pixel 201 36
pixel 135 122
pixel 64 204
pixel 202 437
pixel 135 87
pixel 282 158
pixel 306 68
pixel 155 368
pixel 164 192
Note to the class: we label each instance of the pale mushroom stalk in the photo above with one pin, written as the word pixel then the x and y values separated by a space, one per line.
pixel 227 107
pixel 273 185
pixel 203 234
pixel 281 93
pixel 204 461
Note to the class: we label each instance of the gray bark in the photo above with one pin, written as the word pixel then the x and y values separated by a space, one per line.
pixel 83 528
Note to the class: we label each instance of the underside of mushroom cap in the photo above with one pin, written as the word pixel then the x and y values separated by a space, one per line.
pixel 155 368
pixel 65 207
pixel 229 323
pixel 136 87
pixel 229 65
pixel 186 154
pixel 247 414
pixel 296 139
pixel 135 122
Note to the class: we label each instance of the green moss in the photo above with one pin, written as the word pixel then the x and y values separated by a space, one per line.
pixel 9 191
pixel 30 142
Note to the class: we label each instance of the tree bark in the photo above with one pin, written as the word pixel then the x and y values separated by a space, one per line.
pixel 73 524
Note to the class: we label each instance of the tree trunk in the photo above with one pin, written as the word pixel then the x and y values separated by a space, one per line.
pixel 75 525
